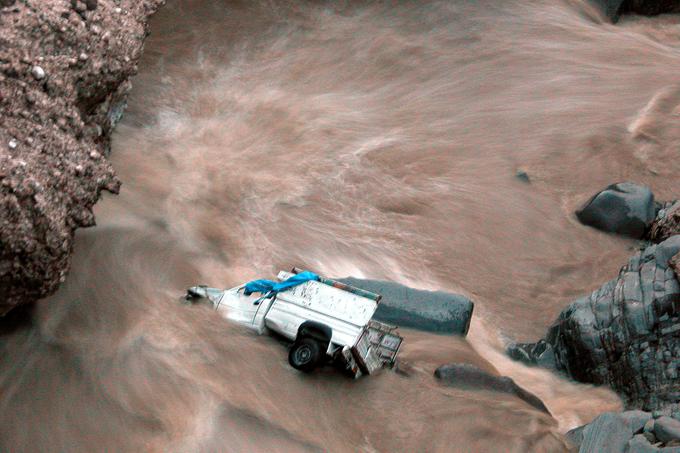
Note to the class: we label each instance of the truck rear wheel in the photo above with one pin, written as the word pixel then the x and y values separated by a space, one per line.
pixel 305 355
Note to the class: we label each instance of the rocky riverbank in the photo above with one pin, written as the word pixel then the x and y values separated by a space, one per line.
pixel 64 75
pixel 625 334
pixel 64 69
pixel 628 432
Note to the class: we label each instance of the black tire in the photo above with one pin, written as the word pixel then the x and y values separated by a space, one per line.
pixel 305 354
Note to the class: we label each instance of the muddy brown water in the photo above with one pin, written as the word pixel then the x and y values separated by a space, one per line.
pixel 375 140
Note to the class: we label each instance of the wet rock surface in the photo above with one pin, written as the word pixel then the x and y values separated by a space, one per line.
pixel 431 311
pixel 667 429
pixel 625 334
pixel 674 263
pixel 624 208
pixel 64 74
pixel 627 432
pixel 610 8
pixel 470 377
pixel 613 9
pixel 666 223
pixel 649 7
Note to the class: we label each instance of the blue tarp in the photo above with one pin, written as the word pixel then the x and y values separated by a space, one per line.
pixel 268 286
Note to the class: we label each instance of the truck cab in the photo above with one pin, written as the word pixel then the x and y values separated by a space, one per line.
pixel 325 320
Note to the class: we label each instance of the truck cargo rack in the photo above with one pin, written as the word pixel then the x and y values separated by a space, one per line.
pixel 344 286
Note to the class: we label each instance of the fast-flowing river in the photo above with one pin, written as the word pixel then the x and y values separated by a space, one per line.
pixel 376 140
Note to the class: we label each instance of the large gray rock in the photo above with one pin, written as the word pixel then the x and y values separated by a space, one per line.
pixel 667 429
pixel 470 377
pixel 431 311
pixel 639 444
pixel 611 432
pixel 608 433
pixel 625 334
pixel 624 208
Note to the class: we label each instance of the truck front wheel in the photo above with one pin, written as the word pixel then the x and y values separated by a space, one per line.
pixel 305 355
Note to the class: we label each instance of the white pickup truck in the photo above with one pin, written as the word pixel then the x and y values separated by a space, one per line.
pixel 327 321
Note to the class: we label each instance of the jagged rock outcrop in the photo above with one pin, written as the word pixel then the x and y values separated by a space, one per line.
pixel 627 432
pixel 470 377
pixel 625 334
pixel 431 311
pixel 666 223
pixel 64 74
pixel 623 208
pixel 674 263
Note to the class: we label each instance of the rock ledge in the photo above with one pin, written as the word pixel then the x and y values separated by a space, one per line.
pixel 64 74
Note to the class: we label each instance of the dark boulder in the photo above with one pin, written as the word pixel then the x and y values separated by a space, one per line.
pixel 523 176
pixel 624 208
pixel 625 334
pixel 613 9
pixel 610 8
pixel 649 7
pixel 470 377
pixel 431 311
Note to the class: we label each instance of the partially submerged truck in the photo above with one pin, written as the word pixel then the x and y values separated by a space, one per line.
pixel 326 320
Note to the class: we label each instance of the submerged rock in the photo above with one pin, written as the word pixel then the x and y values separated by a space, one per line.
pixel 624 208
pixel 523 176
pixel 540 353
pixel 625 334
pixel 470 377
pixel 431 311
pixel 49 180
pixel 640 444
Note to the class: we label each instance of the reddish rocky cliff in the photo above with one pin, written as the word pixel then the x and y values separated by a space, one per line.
pixel 64 74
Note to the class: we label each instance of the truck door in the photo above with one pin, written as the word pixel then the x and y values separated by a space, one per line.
pixel 238 307
pixel 261 313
